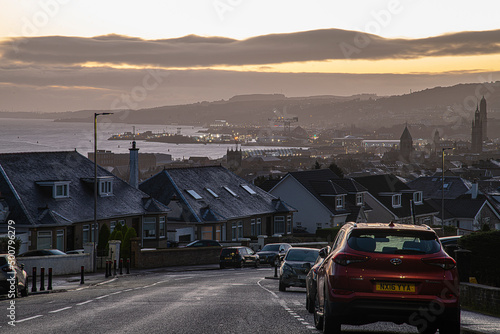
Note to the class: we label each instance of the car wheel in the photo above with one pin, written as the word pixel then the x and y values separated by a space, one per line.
pixel 331 323
pixel 310 304
pixel 222 266
pixel 450 324
pixel 241 264
pixel 282 286
pixel 257 264
pixel 276 261
pixel 24 292
pixel 318 319
pixel 17 291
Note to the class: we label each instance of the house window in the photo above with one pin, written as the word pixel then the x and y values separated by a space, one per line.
pixel 60 240
pixel 339 202
pixel 252 227
pixel 234 232
pixel 149 228
pixel 86 234
pixel 258 227
pixel 396 201
pixel 161 229
pixel 61 190
pixel 360 200
pixel 279 224
pixel 248 189
pixel 230 191
pixel 194 194
pixel 44 240
pixel 319 225
pixel 240 229
pixel 112 226
pixel 106 187
pixel 212 192
pixel 417 197
pixel 289 224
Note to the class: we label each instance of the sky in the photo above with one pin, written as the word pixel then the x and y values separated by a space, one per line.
pixel 59 55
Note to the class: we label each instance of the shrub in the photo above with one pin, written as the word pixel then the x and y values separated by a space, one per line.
pixel 125 247
pixel 4 245
pixel 102 245
pixel 485 263
pixel 328 234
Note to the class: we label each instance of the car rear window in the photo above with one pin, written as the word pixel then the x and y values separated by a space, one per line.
pixel 270 248
pixel 394 242
pixel 305 255
pixel 229 251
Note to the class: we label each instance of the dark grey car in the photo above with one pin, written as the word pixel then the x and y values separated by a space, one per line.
pixel 13 278
pixel 296 265
pixel 270 253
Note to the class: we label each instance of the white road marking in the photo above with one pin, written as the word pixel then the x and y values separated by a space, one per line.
pixel 101 297
pixel 30 318
pixel 61 309
pixel 106 282
pixel 83 303
pixel 128 290
pixel 115 293
pixel 181 278
pixel 272 293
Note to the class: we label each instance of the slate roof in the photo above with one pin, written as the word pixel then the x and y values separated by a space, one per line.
pixel 382 186
pixel 32 204
pixel 173 184
pixel 459 207
pixel 325 185
pixel 431 186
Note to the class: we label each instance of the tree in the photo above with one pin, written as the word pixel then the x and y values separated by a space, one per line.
pixel 125 247
pixel 4 245
pixel 317 165
pixel 102 245
pixel 336 169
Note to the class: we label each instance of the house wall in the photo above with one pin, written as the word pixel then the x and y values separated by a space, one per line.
pixel 60 264
pixel 310 212
pixel 379 213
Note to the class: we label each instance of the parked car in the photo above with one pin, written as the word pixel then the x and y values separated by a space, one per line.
pixel 270 253
pixel 10 269
pixel 42 252
pixel 204 243
pixel 388 272
pixel 76 251
pixel 450 244
pixel 311 279
pixel 295 266
pixel 238 256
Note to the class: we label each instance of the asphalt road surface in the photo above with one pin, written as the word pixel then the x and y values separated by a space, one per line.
pixel 214 301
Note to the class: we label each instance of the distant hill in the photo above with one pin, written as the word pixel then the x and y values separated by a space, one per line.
pixel 447 106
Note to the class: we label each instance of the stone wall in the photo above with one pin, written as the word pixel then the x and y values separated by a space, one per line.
pixel 480 298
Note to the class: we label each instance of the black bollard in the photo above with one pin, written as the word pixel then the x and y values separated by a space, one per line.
pixel 275 271
pixel 82 278
pixel 106 275
pixel 33 286
pixel 121 266
pixel 128 266
pixel 49 284
pixel 114 267
pixel 42 279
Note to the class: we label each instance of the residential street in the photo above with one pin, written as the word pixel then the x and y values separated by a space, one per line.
pixel 211 301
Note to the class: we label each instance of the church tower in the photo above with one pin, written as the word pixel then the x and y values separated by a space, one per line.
pixel 483 116
pixel 477 133
pixel 406 144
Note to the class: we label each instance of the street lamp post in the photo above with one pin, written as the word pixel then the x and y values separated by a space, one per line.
pixel 95 234
pixel 442 186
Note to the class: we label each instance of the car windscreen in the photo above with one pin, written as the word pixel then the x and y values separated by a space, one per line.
pixel 303 255
pixel 394 241
pixel 270 248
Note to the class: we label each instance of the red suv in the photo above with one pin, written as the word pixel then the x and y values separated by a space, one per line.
pixel 388 272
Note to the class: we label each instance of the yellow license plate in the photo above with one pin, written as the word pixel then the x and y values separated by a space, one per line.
pixel 394 287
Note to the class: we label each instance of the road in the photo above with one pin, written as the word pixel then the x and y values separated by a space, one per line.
pixel 214 301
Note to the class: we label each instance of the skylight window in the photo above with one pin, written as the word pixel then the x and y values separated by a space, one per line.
pixel 194 194
pixel 230 191
pixel 248 189
pixel 212 192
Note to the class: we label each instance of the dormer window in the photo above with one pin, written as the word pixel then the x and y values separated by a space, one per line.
pixel 396 201
pixel 417 197
pixel 360 199
pixel 60 189
pixel 105 186
pixel 339 202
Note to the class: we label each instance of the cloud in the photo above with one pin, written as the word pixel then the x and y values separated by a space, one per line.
pixel 193 51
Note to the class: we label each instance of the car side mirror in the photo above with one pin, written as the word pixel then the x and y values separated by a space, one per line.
pixel 323 252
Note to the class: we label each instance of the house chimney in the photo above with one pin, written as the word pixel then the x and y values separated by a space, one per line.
pixel 474 190
pixel 134 166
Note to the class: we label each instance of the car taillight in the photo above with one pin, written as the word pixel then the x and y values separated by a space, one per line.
pixel 345 259
pixel 446 263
